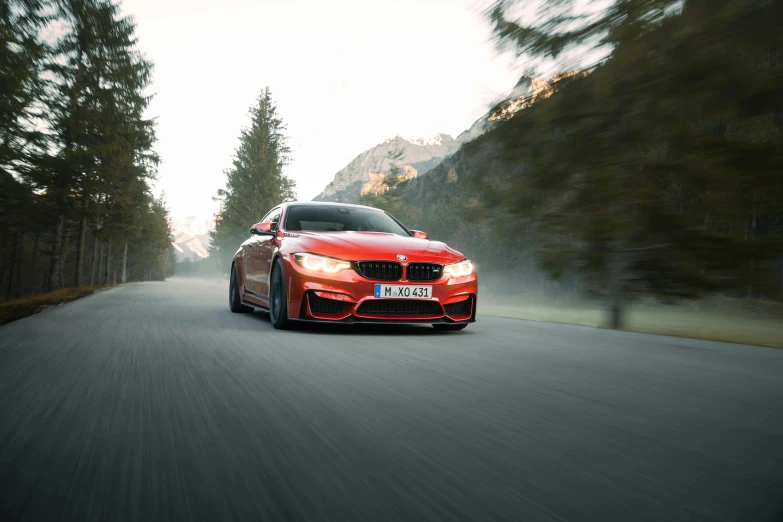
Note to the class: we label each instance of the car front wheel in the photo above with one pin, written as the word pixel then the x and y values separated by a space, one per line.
pixel 278 301
pixel 234 301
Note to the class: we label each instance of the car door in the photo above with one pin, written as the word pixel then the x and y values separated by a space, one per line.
pixel 260 259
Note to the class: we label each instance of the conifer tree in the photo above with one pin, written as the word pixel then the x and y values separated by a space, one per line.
pixel 255 182
pixel 21 60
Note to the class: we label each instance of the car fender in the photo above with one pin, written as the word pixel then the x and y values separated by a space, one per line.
pixel 239 263
pixel 285 259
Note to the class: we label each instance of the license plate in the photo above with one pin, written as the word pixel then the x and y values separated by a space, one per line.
pixel 403 292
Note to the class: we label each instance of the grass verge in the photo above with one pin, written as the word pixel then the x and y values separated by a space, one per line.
pixel 18 308
pixel 732 323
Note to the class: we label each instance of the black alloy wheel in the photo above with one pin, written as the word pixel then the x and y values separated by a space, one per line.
pixel 234 301
pixel 278 301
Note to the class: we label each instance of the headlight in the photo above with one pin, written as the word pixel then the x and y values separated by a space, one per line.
pixel 461 269
pixel 321 263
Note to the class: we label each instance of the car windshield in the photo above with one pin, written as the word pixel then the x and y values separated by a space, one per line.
pixel 318 218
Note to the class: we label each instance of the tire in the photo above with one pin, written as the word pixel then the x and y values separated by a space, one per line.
pixel 278 297
pixel 445 327
pixel 234 301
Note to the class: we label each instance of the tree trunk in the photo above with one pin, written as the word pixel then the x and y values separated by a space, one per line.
pixel 99 278
pixel 94 262
pixel 79 270
pixel 108 260
pixel 11 266
pixel 34 261
pixel 752 238
pixel 3 250
pixel 54 264
pixel 616 286
pixel 63 253
pixel 125 264
pixel 18 292
pixel 616 312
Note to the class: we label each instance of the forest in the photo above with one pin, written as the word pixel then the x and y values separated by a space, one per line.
pixel 77 158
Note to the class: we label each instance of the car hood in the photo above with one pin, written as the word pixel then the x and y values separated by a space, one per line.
pixel 375 246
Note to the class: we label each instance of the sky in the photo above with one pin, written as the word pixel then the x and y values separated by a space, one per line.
pixel 345 76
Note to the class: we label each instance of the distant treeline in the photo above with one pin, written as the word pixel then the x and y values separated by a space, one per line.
pixel 658 172
pixel 76 152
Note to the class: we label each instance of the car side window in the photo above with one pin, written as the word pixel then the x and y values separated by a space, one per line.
pixel 273 216
pixel 276 218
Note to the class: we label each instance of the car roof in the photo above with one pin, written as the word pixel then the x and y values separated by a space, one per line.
pixel 326 204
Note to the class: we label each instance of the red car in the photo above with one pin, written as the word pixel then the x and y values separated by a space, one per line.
pixel 338 263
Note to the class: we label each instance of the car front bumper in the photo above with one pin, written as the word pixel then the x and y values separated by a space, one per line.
pixel 347 297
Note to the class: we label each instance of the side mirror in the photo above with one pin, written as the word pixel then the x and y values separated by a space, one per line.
pixel 418 234
pixel 263 229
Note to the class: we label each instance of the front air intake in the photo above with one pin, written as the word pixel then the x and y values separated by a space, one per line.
pixel 400 308
pixel 424 271
pixel 461 309
pixel 379 270
pixel 322 306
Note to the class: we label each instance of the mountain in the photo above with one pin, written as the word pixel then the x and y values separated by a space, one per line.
pixel 191 238
pixel 418 155
pixel 527 91
pixel 364 175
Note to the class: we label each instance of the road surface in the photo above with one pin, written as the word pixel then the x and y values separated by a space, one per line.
pixel 152 402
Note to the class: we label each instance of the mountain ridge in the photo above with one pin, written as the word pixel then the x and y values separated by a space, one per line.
pixel 190 237
pixel 417 156
pixel 365 174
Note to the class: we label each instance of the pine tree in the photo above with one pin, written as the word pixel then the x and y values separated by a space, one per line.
pixel 255 183
pixel 21 60
pixel 95 110
pixel 107 141
pixel 148 254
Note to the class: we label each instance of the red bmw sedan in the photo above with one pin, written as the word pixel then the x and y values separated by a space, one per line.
pixel 339 263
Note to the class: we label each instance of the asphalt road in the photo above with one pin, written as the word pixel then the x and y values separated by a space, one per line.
pixel 152 402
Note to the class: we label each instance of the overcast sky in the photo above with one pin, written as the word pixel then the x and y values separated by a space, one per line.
pixel 345 75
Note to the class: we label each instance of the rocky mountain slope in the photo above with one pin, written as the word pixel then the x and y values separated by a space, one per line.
pixel 418 154
pixel 191 238
pixel 364 175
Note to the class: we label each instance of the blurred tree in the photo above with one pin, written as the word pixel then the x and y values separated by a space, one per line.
pixel 21 60
pixel 149 254
pixel 633 174
pixel 96 114
pixel 255 182
pixel 75 147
